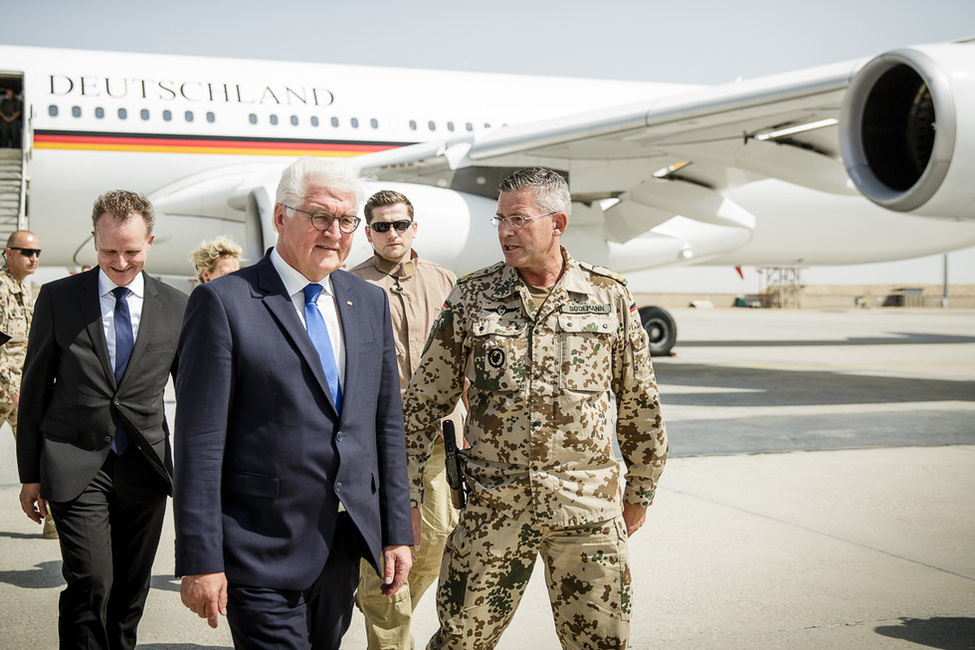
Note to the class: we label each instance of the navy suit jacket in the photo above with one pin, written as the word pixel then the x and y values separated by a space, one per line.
pixel 70 401
pixel 261 457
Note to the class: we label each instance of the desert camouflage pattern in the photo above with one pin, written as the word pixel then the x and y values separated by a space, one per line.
pixel 16 312
pixel 587 571
pixel 542 417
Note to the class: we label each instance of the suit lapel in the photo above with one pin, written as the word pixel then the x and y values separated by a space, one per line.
pixel 147 321
pixel 91 311
pixel 346 299
pixel 279 303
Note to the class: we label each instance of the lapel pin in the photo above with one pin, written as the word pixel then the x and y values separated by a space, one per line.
pixel 348 302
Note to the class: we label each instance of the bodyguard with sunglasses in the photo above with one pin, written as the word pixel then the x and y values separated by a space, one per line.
pixel 21 257
pixel 416 289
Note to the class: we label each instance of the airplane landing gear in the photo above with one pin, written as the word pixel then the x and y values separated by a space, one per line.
pixel 661 328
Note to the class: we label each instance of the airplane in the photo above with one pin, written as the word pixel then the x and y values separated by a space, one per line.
pixel 859 161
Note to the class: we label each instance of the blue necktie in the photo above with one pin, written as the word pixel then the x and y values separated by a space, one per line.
pixel 124 342
pixel 318 333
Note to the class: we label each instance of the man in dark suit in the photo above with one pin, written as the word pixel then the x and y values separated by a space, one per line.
pixel 290 459
pixel 93 445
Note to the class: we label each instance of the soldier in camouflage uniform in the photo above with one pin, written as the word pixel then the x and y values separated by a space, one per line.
pixel 21 257
pixel 543 340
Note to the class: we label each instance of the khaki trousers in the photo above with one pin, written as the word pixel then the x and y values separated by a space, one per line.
pixel 388 618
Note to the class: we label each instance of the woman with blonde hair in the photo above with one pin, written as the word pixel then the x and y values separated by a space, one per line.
pixel 216 258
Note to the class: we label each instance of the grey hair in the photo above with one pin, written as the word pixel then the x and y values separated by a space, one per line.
pixel 550 190
pixel 304 174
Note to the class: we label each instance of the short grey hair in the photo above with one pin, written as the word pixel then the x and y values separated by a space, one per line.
pixel 550 190
pixel 305 173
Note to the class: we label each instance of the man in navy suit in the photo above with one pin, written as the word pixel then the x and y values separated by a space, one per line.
pixel 93 445
pixel 290 457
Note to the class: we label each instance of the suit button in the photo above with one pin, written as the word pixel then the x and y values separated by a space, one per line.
pixel 115 401
pixel 338 487
pixel 108 438
pixel 339 436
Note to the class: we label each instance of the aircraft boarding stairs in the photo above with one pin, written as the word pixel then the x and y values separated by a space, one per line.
pixel 11 191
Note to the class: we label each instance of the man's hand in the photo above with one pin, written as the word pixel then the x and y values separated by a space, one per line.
pixel 205 595
pixel 634 517
pixel 397 561
pixel 32 503
pixel 417 527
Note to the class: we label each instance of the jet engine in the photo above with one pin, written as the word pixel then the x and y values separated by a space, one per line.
pixel 907 130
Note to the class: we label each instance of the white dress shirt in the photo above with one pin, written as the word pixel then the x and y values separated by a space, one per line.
pixel 294 284
pixel 106 301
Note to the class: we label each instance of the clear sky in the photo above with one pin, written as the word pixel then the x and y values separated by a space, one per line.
pixel 702 41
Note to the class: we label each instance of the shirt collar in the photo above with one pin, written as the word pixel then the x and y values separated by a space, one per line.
pixel 396 269
pixel 105 285
pixel 294 281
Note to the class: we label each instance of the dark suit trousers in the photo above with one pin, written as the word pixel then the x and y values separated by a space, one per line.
pixel 109 536
pixel 313 619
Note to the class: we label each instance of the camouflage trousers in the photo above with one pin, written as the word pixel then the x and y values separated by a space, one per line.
pixel 8 414
pixel 388 618
pixel 490 557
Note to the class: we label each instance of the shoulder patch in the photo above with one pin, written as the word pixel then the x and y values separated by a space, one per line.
pixel 480 273
pixel 602 270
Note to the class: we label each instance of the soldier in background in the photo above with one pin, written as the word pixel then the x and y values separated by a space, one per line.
pixel 21 257
pixel 416 289
pixel 544 340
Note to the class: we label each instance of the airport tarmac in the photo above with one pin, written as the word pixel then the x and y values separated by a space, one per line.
pixel 819 495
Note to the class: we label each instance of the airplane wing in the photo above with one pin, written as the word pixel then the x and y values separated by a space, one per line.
pixel 895 128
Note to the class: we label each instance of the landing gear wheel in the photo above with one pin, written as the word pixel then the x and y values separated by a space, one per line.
pixel 661 328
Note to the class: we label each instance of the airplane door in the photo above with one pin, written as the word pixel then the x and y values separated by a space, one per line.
pixel 15 145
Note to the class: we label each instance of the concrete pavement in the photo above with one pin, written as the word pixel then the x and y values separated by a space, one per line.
pixel 846 545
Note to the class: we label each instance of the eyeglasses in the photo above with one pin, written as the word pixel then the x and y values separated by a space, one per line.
pixel 383 226
pixel 517 221
pixel 323 220
pixel 27 252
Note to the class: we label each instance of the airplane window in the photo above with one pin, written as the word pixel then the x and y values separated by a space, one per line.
pixel 335 121
pixel 211 118
pixel 487 125
pixel 252 118
pixel 52 110
pixel 144 114
pixel 294 120
pixel 188 115
pixel 450 126
pixel 167 115
pixel 274 119
pixel 432 125
pixel 354 122
pixel 469 126
pixel 99 112
pixel 413 125
pixel 374 123
pixel 123 114
pixel 76 111
pixel 314 121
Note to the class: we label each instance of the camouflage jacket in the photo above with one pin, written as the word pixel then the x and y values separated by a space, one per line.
pixel 542 419
pixel 16 311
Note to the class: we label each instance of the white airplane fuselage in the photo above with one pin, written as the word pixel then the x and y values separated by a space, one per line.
pixel 195 133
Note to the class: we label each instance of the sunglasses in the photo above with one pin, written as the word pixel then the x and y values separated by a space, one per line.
pixel 383 226
pixel 27 252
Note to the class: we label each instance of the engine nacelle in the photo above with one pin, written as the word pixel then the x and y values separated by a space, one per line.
pixel 907 130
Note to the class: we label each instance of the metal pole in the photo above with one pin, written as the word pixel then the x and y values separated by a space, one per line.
pixel 944 295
